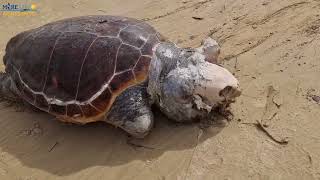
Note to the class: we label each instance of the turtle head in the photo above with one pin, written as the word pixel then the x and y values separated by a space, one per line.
pixel 186 85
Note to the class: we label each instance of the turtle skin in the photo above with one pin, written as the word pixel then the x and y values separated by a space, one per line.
pixel 75 68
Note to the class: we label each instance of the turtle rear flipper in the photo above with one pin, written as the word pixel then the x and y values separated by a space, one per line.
pixel 9 94
pixel 8 90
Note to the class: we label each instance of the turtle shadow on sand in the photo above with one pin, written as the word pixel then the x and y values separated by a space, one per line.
pixel 40 142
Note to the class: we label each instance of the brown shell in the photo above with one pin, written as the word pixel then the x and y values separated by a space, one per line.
pixel 75 68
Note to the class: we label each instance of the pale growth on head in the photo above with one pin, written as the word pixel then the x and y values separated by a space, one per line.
pixel 168 53
pixel 185 85
pixel 211 49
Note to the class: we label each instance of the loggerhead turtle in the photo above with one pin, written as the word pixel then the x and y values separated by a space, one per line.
pixel 112 69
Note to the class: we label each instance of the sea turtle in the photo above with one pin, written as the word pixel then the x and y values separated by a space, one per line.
pixel 112 69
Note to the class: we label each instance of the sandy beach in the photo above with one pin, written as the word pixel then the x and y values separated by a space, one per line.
pixel 271 46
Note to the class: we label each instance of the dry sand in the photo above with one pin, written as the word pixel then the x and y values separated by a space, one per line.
pixel 272 46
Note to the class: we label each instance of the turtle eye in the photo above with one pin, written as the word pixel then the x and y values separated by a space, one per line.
pixel 182 98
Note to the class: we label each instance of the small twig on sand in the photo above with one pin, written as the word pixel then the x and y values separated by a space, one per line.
pixel 133 144
pixel 236 64
pixel 179 9
pixel 53 146
pixel 100 10
pixel 260 126
pixel 298 87
pixel 283 141
pixel 309 157
pixel 197 18
pixel 200 133
pixel 306 153
pixel 271 109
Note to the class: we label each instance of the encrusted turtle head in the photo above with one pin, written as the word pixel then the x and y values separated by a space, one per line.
pixel 186 85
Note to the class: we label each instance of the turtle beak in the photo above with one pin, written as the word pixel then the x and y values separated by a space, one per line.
pixel 217 85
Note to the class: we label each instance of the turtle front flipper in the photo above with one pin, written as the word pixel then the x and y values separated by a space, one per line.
pixel 131 112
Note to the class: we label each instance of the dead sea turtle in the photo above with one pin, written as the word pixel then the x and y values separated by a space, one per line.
pixel 112 69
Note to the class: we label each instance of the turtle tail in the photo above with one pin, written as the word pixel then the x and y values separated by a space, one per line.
pixel 7 88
